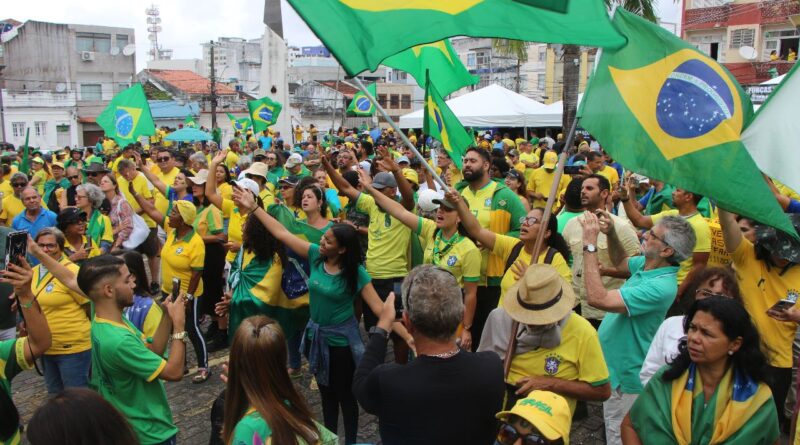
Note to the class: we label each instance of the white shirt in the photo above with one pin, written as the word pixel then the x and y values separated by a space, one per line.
pixel 663 348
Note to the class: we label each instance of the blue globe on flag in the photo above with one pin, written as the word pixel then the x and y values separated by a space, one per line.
pixel 124 123
pixel 265 114
pixel 363 105
pixel 439 122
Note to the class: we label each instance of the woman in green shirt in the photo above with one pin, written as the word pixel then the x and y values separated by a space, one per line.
pixel 261 403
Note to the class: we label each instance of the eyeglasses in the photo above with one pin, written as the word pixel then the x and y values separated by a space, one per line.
pixel 705 293
pixel 73 177
pixel 653 234
pixel 163 159
pixel 19 184
pixel 528 220
pixel 508 435
pixel 47 246
pixel 92 174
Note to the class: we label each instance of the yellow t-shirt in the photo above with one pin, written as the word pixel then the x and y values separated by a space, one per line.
pixel 388 240
pixel 231 159
pixel 142 187
pixel 267 196
pixel 208 221
pixel 108 146
pixel 161 201
pixel 42 175
pixel 541 182
pixel 179 258
pixel 461 257
pixel 235 226
pixel 611 174
pixel 504 244
pixel 64 310
pixel 578 357
pixel 480 204
pixel 701 231
pixel 12 206
pixel 6 189
pixel 93 251
pixel 225 190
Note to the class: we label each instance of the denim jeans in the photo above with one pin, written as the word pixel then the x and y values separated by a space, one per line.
pixel 66 370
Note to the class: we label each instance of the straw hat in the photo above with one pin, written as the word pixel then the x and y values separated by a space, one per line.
pixel 540 296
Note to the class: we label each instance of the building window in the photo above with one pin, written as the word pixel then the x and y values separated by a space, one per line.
pixel 742 37
pixel 405 101
pixel 482 59
pixel 122 41
pixel 122 86
pixel 41 128
pixel 471 60
pixel 382 100
pixel 89 41
pixel 540 80
pixel 394 101
pixel 542 53
pixel 18 129
pixel 91 91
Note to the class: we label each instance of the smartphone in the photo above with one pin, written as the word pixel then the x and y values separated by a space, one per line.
pixel 572 169
pixel 176 288
pixel 786 303
pixel 16 245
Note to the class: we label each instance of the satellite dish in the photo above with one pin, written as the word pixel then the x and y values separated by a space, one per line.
pixel 114 50
pixel 61 87
pixel 129 50
pixel 748 53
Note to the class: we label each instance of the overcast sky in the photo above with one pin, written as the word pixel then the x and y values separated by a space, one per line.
pixel 187 23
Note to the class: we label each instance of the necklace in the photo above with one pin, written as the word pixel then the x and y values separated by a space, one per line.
pixel 447 354
pixel 439 252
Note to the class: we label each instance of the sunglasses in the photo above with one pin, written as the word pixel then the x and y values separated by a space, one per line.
pixel 73 177
pixel 19 184
pixel 508 435
pixel 162 159
pixel 707 293
pixel 92 174
pixel 286 186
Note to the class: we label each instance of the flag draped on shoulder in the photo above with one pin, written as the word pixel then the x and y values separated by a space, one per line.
pixel 446 70
pixel 362 33
pixel 770 137
pixel 239 124
pixel 665 110
pixel 127 117
pixel 361 105
pixel 263 112
pixel 440 123
pixel 286 217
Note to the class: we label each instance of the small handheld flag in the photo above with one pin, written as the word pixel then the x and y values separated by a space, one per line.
pixel 239 124
pixel 361 105
pixel 264 112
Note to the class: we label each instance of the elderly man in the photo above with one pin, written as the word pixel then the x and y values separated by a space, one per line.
pixel 635 310
pixel 12 204
pixel 35 217
pixel 441 383
pixel 555 349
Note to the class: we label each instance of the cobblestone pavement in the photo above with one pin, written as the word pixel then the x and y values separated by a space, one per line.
pixel 191 405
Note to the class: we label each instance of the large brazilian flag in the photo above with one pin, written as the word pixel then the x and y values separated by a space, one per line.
pixel 127 116
pixel 665 110
pixel 443 125
pixel 437 58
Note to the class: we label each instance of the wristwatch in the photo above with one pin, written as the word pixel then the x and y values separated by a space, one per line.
pixel 590 248
pixel 189 297
pixel 182 336
pixel 379 331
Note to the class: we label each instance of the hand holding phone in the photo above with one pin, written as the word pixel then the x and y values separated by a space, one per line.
pixel 16 247
pixel 176 288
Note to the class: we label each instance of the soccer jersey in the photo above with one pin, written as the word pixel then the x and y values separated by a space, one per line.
pixel 208 221
pixel 541 181
pixel 701 232
pixel 459 255
pixel 179 258
pixel 168 179
pixel 387 255
pixel 63 309
pixel 503 245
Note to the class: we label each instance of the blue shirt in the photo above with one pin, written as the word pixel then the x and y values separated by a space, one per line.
pixel 794 206
pixel 46 218
pixel 266 142
pixel 625 338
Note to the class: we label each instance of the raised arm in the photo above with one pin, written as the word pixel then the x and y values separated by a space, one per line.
pixel 341 184
pixel 391 206
pixel 147 206
pixel 211 183
pixel 39 338
pixel 406 192
pixel 59 271
pixel 157 183
pixel 244 199
pixel 484 236
pixel 626 193
pixel 730 230
pixel 596 294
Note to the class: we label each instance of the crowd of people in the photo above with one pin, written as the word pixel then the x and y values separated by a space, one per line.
pixel 310 258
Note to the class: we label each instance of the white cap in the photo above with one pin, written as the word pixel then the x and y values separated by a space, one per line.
pixel 248 184
pixel 294 160
pixel 425 200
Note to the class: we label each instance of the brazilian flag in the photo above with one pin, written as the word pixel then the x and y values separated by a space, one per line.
pixel 440 123
pixel 665 110
pixel 239 124
pixel 440 60
pixel 127 116
pixel 362 33
pixel 263 113
pixel 361 105
pixel 189 121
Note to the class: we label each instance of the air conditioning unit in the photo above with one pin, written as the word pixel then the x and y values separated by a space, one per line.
pixel 87 56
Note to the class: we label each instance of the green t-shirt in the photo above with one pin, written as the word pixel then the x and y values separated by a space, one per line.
pixel 564 217
pixel 329 303
pixel 125 373
pixel 252 429
pixel 12 362
pixel 625 338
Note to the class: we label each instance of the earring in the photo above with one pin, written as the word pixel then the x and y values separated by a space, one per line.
pixel 730 352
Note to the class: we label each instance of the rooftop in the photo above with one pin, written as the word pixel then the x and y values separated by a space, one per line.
pixel 189 82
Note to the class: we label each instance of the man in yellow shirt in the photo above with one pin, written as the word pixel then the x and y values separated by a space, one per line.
pixel 595 162
pixel 686 207
pixel 166 172
pixel 233 154
pixel 542 181
pixel 12 203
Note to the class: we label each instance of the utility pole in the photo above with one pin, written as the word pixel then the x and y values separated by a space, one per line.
pixel 213 78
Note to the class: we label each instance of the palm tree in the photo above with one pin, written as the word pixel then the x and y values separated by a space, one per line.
pixel 572 55
pixel 517 49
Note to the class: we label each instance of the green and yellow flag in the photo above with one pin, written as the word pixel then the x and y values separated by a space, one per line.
pixel 127 117
pixel 263 112
pixel 189 121
pixel 377 29
pixel 361 105
pixel 239 124
pixel 440 123
pixel 663 109
pixel 446 70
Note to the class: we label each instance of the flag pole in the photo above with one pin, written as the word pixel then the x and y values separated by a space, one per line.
pixel 400 132
pixel 548 210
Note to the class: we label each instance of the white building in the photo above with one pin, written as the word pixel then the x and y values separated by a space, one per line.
pixel 50 116
pixel 236 61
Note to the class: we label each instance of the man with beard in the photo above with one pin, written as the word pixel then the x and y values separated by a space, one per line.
pixel 498 209
pixel 594 193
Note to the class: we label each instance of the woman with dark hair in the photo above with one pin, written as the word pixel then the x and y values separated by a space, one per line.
pixel 516 182
pixel 313 202
pixel 145 313
pixel 261 403
pixel 78 416
pixel 77 246
pixel 121 214
pixel 498 168
pixel 714 390
pixel 222 178
pixel 332 342
pixel 711 281
pixel 446 244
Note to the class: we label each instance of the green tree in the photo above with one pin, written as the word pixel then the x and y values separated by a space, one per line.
pixel 516 49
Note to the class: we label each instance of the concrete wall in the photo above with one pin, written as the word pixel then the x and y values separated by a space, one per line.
pixel 55 110
pixel 193 65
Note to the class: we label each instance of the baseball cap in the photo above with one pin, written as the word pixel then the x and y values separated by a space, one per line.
pixel 403 159
pixel 248 184
pixel 411 175
pixel 550 160
pixel 426 200
pixel 290 180
pixel 548 412
pixel 259 152
pixel 383 180
pixel 200 177
pixel 294 160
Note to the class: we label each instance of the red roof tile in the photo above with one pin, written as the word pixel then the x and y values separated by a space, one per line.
pixel 189 82
pixel 345 88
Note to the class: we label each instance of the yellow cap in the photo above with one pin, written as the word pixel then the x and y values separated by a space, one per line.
pixel 411 175
pixel 550 160
pixel 546 411
pixel 187 211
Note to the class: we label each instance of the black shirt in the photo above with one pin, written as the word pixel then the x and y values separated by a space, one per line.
pixel 431 400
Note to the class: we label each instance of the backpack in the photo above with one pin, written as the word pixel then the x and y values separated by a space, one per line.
pixel 548 257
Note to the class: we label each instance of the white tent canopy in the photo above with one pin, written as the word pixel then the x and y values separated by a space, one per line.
pixel 550 115
pixel 492 106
